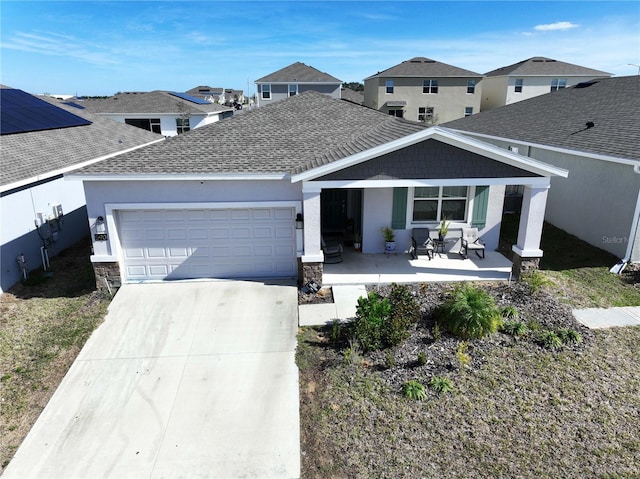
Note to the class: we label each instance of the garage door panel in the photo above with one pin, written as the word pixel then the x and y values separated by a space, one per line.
pixel 226 243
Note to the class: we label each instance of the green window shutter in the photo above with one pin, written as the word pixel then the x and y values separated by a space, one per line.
pixel 399 213
pixel 480 204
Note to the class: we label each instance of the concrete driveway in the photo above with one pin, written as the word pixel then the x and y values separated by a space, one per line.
pixel 183 380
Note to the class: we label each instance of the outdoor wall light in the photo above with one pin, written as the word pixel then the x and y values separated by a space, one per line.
pixel 100 226
pixel 299 221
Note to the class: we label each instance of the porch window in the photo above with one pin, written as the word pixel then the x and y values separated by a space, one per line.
pixel 433 203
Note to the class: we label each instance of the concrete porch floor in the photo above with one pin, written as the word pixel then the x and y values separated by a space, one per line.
pixel 359 268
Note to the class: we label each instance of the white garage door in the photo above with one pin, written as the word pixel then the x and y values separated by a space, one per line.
pixel 208 243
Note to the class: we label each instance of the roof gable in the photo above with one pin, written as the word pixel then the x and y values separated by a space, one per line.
pixel 298 73
pixel 561 119
pixel 542 66
pixel 446 137
pixel 424 67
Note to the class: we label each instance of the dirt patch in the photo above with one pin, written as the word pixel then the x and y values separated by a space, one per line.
pixel 324 295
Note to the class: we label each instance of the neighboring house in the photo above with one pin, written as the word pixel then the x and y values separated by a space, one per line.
pixel 592 130
pixel 207 93
pixel 352 96
pixel 167 113
pixel 293 80
pixel 231 96
pixel 41 140
pixel 532 77
pixel 424 90
pixel 191 207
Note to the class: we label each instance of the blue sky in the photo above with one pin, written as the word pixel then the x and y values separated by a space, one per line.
pixel 100 48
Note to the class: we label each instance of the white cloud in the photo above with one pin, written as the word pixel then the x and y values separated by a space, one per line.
pixel 556 26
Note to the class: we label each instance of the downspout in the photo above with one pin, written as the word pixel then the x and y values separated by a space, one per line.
pixel 619 267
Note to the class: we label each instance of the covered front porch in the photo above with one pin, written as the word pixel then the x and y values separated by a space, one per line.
pixel 359 268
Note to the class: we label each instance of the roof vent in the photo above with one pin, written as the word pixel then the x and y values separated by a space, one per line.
pixel 585 84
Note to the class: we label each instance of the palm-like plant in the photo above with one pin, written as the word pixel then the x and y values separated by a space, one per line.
pixel 470 312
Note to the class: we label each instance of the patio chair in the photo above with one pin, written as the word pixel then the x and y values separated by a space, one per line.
pixel 332 253
pixel 471 242
pixel 421 243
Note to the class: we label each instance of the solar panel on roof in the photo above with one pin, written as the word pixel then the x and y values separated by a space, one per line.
pixel 75 105
pixel 190 98
pixel 21 112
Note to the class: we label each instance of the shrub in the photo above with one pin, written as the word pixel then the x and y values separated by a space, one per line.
pixel 368 326
pixel 437 334
pixel 569 336
pixel 514 328
pixel 550 340
pixel 535 279
pixel 469 312
pixel 389 360
pixel 336 332
pixel 422 358
pixel 440 384
pixel 414 390
pixel 509 312
pixel 385 322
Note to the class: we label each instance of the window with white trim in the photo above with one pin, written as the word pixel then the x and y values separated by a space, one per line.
pixel 182 125
pixel 468 110
pixel 425 113
pixel 558 84
pixel 397 112
pixel 389 86
pixel 519 83
pixel 293 89
pixel 471 86
pixel 434 203
pixel 266 91
pixel 430 86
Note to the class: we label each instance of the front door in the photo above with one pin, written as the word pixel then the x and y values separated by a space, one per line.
pixel 341 213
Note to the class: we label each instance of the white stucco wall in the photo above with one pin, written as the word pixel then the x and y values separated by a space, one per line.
pixel 499 91
pixel 19 209
pixel 491 232
pixel 596 203
pixel 376 213
pixel 99 193
pixel 18 231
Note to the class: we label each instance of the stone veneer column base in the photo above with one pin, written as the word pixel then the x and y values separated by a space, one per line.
pixel 523 265
pixel 108 278
pixel 309 272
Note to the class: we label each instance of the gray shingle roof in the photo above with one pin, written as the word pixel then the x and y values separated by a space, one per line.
pixel 559 119
pixel 149 102
pixel 537 66
pixel 35 154
pixel 422 67
pixel 299 73
pixel 287 137
pixel 353 96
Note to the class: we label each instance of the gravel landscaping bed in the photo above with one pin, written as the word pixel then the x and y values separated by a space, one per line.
pixel 517 409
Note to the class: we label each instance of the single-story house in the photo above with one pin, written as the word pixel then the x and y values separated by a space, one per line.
pixel 593 131
pixel 42 138
pixel 193 208
pixel 166 112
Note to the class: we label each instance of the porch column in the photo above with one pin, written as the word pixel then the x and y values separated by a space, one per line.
pixel 312 258
pixel 527 252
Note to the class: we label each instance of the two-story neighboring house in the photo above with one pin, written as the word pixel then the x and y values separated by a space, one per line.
pixel 293 80
pixel 167 113
pixel 532 77
pixel 421 89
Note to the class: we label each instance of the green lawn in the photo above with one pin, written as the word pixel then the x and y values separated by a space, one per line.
pixel 578 272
